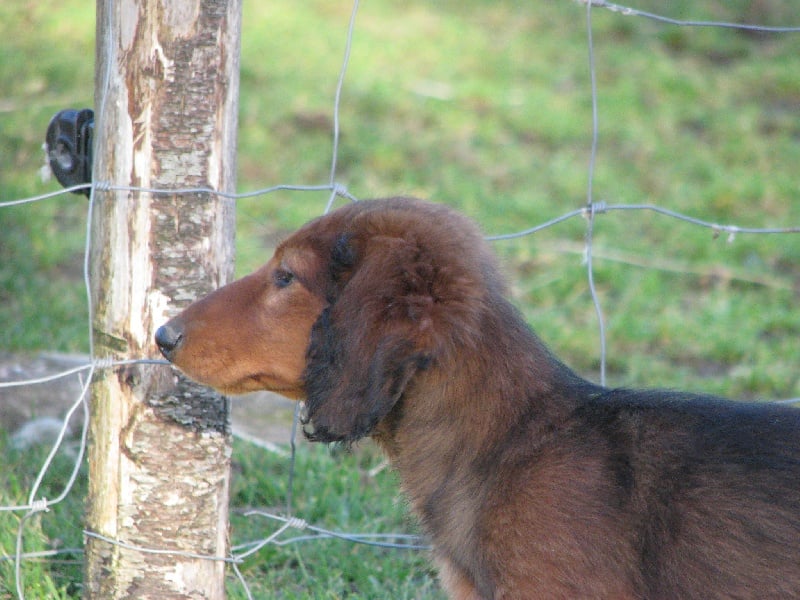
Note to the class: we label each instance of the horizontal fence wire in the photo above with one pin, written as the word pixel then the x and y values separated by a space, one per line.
pixel 589 212
pixel 635 12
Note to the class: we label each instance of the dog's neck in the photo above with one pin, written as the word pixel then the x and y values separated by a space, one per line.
pixel 424 436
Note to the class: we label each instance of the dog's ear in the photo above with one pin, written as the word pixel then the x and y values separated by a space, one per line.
pixel 367 345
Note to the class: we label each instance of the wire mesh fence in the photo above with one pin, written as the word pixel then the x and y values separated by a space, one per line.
pixel 590 212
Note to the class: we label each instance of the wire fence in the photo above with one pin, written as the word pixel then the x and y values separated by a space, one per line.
pixel 590 212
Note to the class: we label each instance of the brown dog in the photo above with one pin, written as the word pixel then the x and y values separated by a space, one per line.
pixel 389 318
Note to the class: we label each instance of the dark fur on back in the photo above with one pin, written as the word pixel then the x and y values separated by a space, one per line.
pixel 532 482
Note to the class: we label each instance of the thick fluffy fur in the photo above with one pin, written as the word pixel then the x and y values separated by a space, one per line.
pixel 389 318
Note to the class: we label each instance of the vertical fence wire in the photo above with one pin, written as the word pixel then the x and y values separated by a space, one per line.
pixel 590 201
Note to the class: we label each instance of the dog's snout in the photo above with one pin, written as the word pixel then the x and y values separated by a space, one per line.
pixel 169 338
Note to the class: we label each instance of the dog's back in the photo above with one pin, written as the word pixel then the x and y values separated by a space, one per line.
pixel 667 495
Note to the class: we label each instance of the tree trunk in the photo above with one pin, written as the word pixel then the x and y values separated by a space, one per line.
pixel 166 108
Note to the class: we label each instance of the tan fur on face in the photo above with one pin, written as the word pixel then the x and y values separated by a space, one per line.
pixel 260 330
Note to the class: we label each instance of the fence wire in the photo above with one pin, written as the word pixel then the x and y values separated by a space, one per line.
pixel 590 212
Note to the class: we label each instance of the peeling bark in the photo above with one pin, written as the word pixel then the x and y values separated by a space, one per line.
pixel 159 453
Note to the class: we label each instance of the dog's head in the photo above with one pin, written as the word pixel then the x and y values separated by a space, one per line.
pixel 349 309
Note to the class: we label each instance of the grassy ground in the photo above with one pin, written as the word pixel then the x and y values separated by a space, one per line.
pixel 59 529
pixel 346 492
pixel 485 106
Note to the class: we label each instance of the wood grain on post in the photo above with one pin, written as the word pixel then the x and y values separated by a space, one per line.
pixel 165 117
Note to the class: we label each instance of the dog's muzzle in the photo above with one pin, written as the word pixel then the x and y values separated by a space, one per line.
pixel 169 339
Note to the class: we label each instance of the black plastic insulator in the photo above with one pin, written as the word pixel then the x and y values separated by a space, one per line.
pixel 69 147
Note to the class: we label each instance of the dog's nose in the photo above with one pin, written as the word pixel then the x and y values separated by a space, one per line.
pixel 168 338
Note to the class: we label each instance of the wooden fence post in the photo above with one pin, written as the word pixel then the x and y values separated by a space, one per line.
pixel 167 74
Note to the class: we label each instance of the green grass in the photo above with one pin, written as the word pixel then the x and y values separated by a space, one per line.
pixel 345 492
pixel 484 106
pixel 57 529
pixel 337 492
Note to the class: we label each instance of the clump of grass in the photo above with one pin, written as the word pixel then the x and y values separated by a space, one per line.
pixel 56 577
pixel 347 492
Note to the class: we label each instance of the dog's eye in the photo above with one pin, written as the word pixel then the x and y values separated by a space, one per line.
pixel 283 278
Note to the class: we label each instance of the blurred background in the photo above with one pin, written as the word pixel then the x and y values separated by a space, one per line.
pixel 486 106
